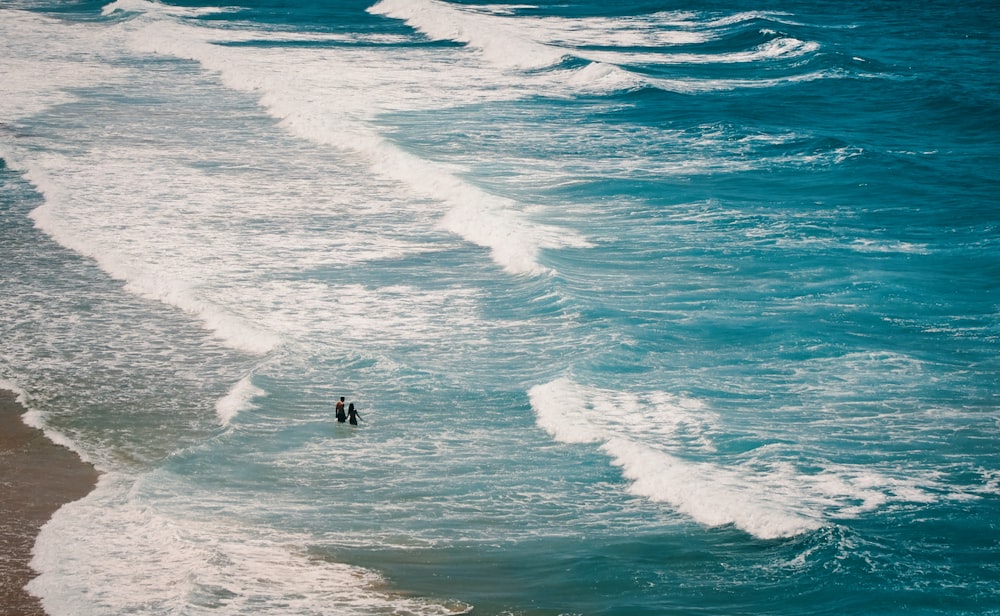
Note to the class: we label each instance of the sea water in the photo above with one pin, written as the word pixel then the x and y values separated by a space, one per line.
pixel 647 308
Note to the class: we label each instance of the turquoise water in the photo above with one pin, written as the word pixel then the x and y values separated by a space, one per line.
pixel 647 309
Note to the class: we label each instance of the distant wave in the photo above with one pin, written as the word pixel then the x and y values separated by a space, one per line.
pixel 145 6
pixel 501 41
pixel 298 101
pixel 609 48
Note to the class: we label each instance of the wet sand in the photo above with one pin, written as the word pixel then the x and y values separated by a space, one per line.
pixel 36 478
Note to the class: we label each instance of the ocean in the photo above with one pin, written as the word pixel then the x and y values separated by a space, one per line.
pixel 647 307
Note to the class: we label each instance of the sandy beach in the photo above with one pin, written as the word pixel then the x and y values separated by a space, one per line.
pixel 36 478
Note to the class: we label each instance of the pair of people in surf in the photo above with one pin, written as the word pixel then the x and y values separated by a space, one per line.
pixel 351 415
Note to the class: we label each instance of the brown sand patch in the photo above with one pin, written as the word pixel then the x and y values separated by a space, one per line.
pixel 36 478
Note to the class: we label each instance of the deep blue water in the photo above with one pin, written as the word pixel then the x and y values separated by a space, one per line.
pixel 647 309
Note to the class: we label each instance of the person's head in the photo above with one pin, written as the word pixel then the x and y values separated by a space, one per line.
pixel 342 398
pixel 352 406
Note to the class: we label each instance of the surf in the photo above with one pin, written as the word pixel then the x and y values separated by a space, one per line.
pixel 302 107
pixel 665 446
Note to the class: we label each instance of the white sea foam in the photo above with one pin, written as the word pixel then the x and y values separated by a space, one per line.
pixel 19 393
pixel 146 6
pixel 41 66
pixel 634 429
pixel 532 42
pixel 712 494
pixel 302 99
pixel 604 77
pixel 782 47
pixel 745 17
pixel 148 232
pixel 34 418
pixel 142 280
pixel 527 42
pixel 240 398
pixel 871 245
pixel 115 552
pixel 658 30
pixel 46 59
pixel 31 417
pixel 578 414
pixel 501 41
pixel 716 85
pixel 336 315
pixel 664 445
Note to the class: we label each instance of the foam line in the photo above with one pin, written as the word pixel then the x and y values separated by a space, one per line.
pixel 638 434
pixel 36 420
pixel 502 43
pixel 233 330
pixel 41 64
pixel 534 43
pixel 145 6
pixel 774 49
pixel 663 444
pixel 711 494
pixel 486 220
pixel 240 398
pixel 491 221
pixel 20 396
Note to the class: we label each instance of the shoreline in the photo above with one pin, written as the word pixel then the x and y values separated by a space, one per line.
pixel 37 477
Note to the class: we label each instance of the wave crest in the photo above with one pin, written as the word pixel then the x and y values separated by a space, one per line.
pixel 664 445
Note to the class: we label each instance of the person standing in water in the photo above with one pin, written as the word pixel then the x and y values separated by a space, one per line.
pixel 353 412
pixel 341 417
